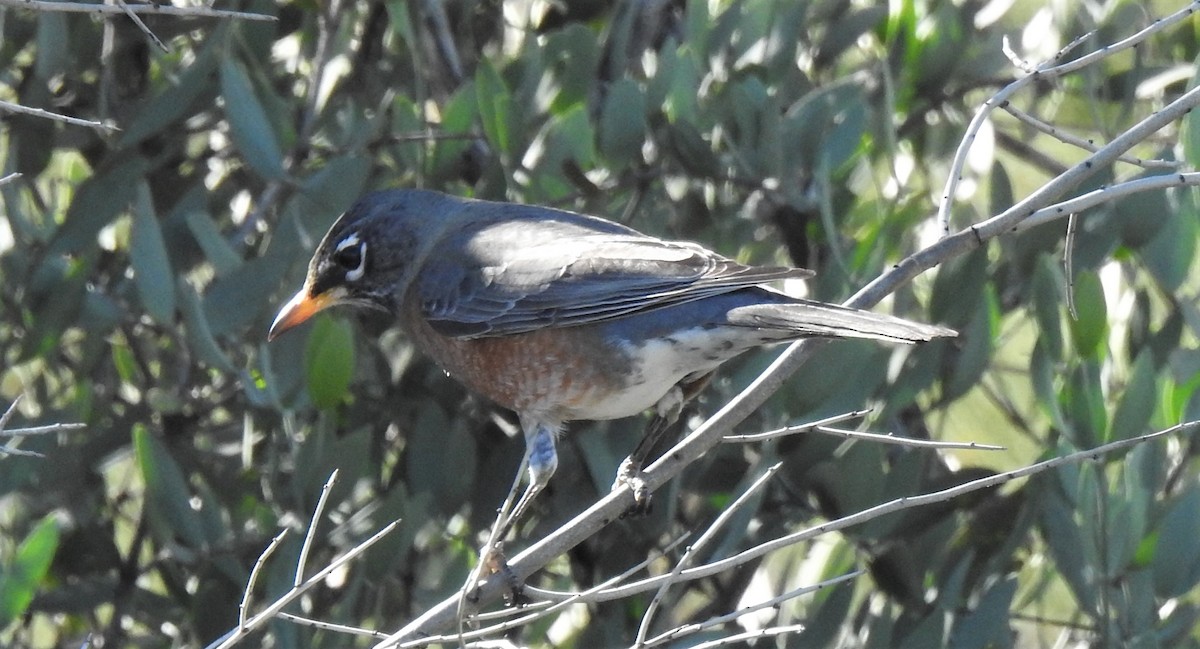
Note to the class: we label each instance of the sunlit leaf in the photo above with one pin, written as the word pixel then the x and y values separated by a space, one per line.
pixel 167 495
pixel 148 256
pixel 1090 328
pixel 329 361
pixel 623 122
pixel 1137 403
pixel 22 575
pixel 249 123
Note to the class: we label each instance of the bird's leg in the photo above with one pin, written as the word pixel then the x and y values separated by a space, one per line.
pixel 542 460
pixel 666 414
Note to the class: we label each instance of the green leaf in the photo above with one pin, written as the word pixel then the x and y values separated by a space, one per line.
pixel 333 189
pixel 216 249
pixel 96 203
pixel 1043 374
pixel 148 255
pixel 51 57
pixel 987 625
pixel 572 56
pixel 171 105
pixel 623 123
pixel 1171 254
pixel 978 336
pixel 958 288
pixel 199 335
pixel 249 124
pixel 1089 328
pixel 237 299
pixel 1064 540
pixel 168 499
pixel 1137 403
pixel 494 103
pixel 1085 406
pixel 1191 124
pixel 329 361
pixel 1047 305
pixel 1176 563
pixel 691 150
pixel 21 577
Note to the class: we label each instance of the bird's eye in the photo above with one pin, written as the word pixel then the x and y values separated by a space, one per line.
pixel 351 256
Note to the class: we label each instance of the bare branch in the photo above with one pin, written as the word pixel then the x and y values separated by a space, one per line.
pixel 544 610
pixel 769 632
pixel 164 9
pixel 243 629
pixel 313 522
pixel 40 430
pixel 1043 72
pixel 244 606
pixel 330 626
pixel 1107 194
pixel 1069 264
pixel 708 535
pixel 885 438
pixel 38 112
pixel 141 25
pixel 689 629
pixel 1087 145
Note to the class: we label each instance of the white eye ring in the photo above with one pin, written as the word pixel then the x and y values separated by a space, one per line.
pixel 356 273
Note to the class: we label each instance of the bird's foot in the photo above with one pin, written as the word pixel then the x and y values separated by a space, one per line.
pixel 630 474
pixel 495 562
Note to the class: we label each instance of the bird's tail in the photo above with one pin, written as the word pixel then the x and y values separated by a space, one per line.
pixel 804 318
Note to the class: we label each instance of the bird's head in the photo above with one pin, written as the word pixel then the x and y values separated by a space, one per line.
pixel 365 258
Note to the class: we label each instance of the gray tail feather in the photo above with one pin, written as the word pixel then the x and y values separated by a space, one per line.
pixel 803 318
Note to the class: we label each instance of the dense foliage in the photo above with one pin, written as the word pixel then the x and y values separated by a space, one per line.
pixel 143 265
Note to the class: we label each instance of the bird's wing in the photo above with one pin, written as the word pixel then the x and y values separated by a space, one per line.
pixel 513 277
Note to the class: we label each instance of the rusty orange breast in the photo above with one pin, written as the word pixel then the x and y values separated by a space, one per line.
pixel 560 373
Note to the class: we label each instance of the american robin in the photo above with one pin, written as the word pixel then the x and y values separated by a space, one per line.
pixel 561 316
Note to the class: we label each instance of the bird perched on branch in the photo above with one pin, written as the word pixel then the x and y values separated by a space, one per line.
pixel 561 316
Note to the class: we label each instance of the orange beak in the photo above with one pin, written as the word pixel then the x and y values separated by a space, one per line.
pixel 300 308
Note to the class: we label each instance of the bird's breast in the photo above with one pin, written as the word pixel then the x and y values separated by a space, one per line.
pixel 554 373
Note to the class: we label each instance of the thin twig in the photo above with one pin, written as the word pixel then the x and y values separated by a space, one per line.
pixel 243 629
pixel 8 413
pixel 141 25
pixel 1043 72
pixel 165 9
pixel 313 522
pixel 1108 193
pixel 10 450
pixel 244 606
pixel 40 430
pixel 564 600
pixel 886 438
pixel 693 550
pixel 769 632
pixel 1087 145
pixel 890 507
pixel 1069 263
pixel 38 112
pixel 10 177
pixel 689 629
pixel 330 626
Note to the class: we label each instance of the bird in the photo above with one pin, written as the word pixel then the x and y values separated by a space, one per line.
pixel 560 316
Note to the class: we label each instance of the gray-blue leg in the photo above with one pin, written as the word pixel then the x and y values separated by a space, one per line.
pixel 543 462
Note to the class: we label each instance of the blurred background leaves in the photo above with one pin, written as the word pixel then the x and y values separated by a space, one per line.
pixel 142 268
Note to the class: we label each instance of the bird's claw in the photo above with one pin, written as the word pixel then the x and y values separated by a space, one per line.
pixel 629 474
pixel 496 562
